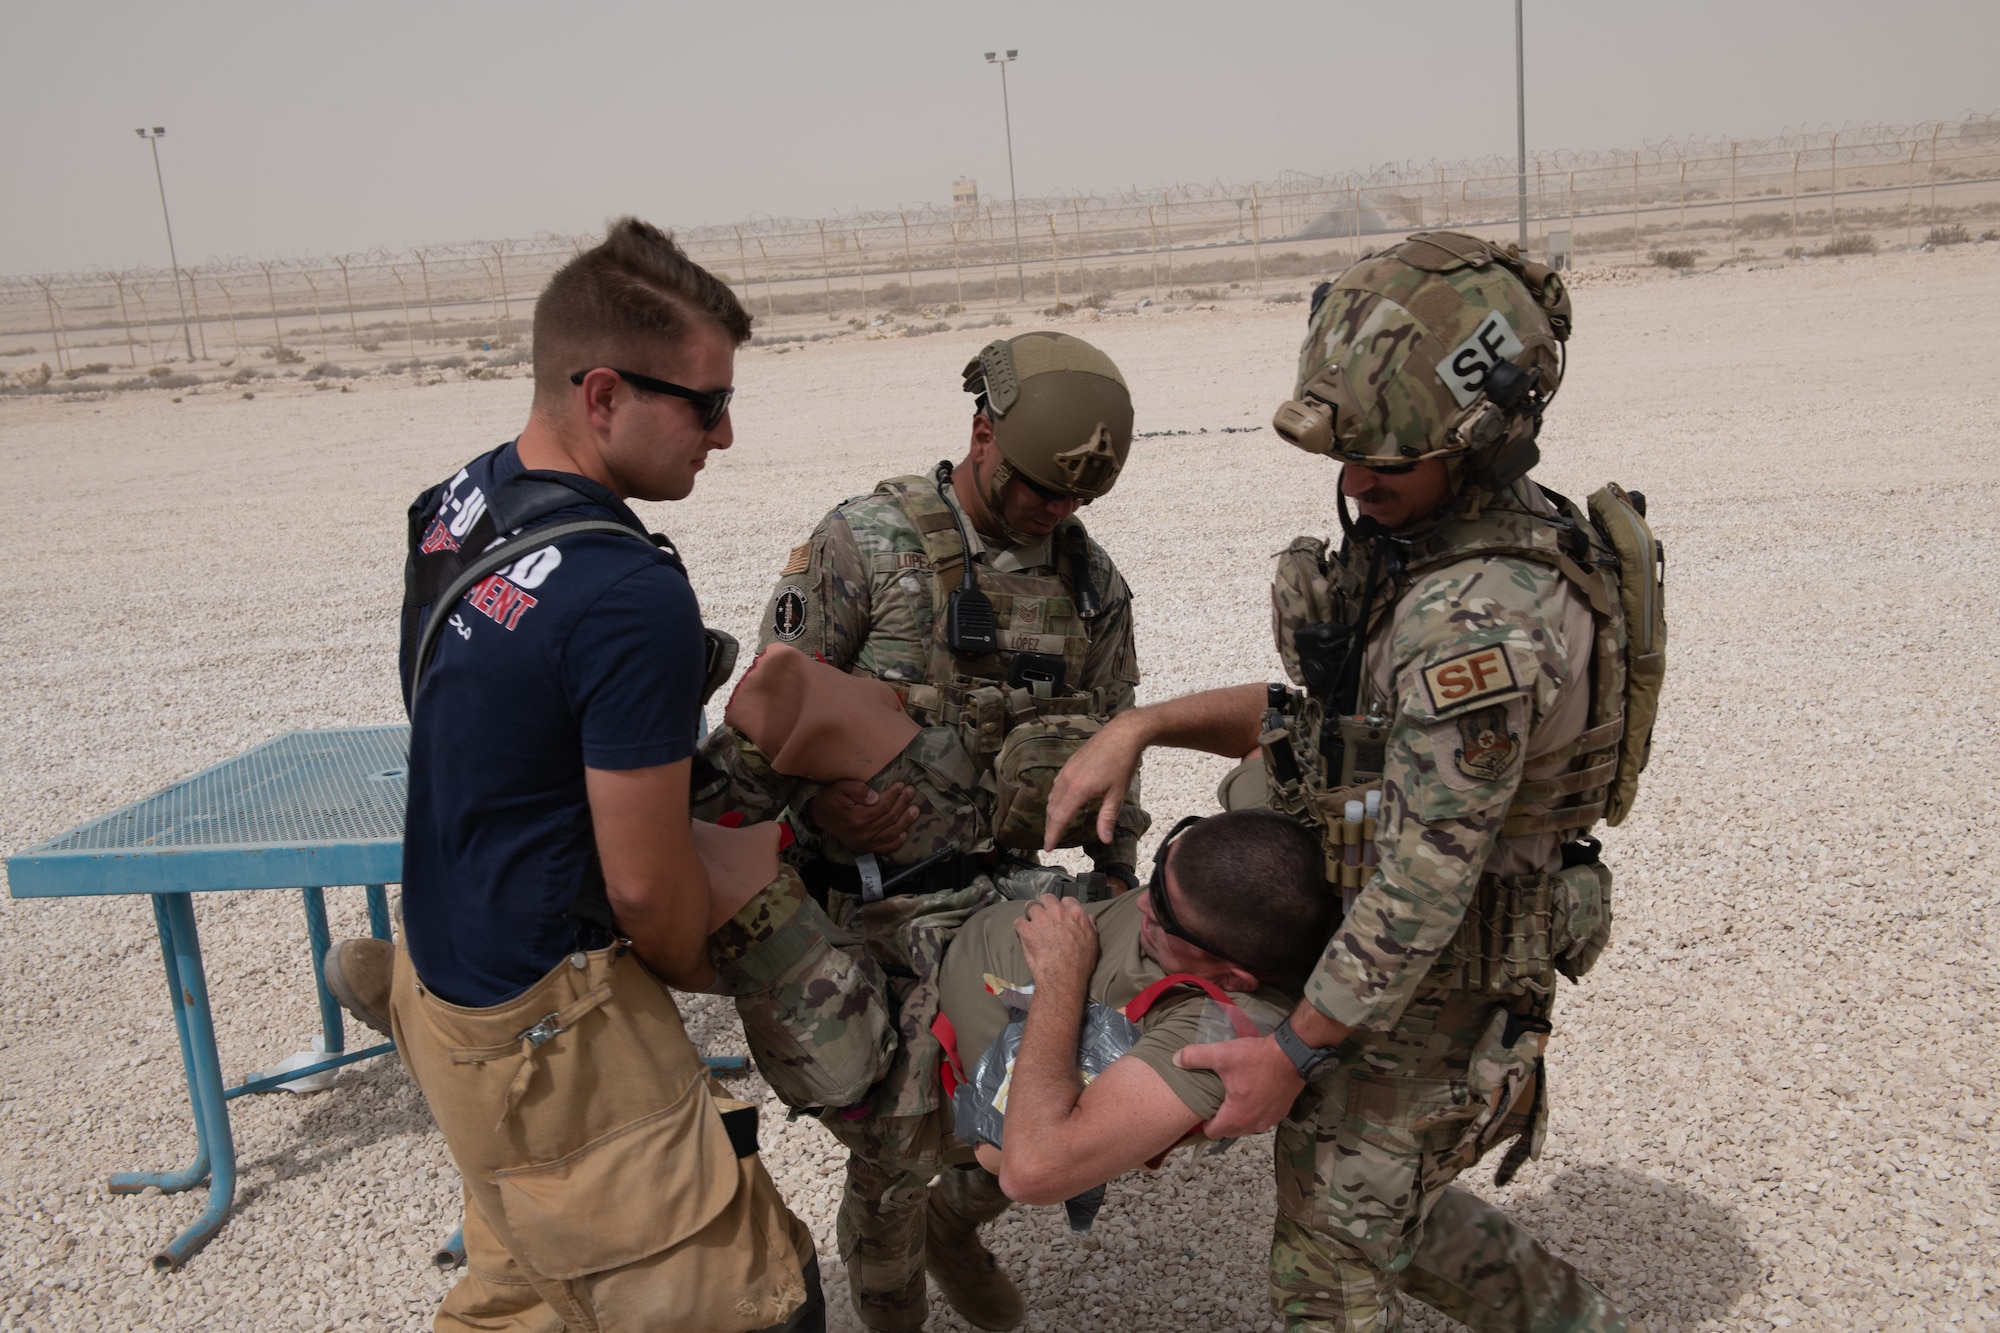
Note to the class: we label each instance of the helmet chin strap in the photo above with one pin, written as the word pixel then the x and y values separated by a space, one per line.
pixel 994 495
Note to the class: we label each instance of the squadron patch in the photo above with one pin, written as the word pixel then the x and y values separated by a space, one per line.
pixel 788 615
pixel 1457 681
pixel 800 558
pixel 1489 749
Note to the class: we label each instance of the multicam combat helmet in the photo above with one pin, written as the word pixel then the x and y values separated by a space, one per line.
pixel 1061 414
pixel 1444 346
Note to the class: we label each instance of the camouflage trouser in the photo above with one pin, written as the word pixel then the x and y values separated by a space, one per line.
pixel 891 1163
pixel 1366 1208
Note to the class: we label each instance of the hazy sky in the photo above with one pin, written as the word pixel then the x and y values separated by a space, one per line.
pixel 297 129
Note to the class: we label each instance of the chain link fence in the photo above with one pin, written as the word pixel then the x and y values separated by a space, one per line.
pixel 1680 202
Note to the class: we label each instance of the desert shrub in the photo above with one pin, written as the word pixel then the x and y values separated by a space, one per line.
pixel 322 384
pixel 1284 298
pixel 283 355
pixel 101 367
pixel 1854 243
pixel 450 363
pixel 919 330
pixel 1989 234
pixel 1197 294
pixel 1003 319
pixel 1060 308
pixel 244 376
pixel 1096 300
pixel 167 379
pixel 1952 235
pixel 327 370
pixel 371 347
pixel 18 351
pixel 399 367
pixel 513 356
pixel 1676 258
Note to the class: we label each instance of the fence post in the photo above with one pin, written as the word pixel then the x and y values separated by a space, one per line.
pixel 770 306
pixel 1732 198
pixel 957 273
pixel 194 298
pixel 126 319
pixel 1910 199
pixel 1256 241
pixel 277 334
pixel 320 321
pixel 1833 189
pixel 825 270
pixel 1541 206
pixel 743 262
pixel 55 325
pixel 230 301
pixel 429 313
pixel 409 333
pixel 145 321
pixel 354 332
pixel 1573 246
pixel 993 254
pixel 861 271
pixel 1797 155
pixel 1934 138
pixel 506 306
pixel 1681 225
pixel 492 300
pixel 1055 258
pixel 1082 273
pixel 1156 253
pixel 1635 209
pixel 909 268
pixel 1354 254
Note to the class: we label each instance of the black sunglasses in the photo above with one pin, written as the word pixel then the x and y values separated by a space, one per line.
pixel 1386 469
pixel 1156 889
pixel 1046 495
pixel 712 406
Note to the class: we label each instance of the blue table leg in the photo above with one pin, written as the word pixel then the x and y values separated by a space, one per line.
pixel 330 1021
pixel 378 911
pixel 451 1254
pixel 204 1070
pixel 131 1182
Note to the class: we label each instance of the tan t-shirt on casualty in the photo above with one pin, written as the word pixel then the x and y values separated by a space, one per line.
pixel 986 957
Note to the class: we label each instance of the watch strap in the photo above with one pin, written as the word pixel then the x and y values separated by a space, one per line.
pixel 1304 1058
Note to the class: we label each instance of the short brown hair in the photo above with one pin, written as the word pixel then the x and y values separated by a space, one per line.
pixel 1253 883
pixel 637 285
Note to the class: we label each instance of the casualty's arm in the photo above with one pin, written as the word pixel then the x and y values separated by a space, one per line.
pixel 656 884
pixel 1111 671
pixel 1224 722
pixel 1064 1138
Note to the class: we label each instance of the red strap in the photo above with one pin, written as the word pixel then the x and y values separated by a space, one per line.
pixel 950 1072
pixel 1136 1008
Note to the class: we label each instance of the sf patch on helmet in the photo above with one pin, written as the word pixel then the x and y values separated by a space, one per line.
pixel 788 613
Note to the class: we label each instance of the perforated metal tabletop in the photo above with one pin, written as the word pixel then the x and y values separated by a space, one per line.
pixel 305 809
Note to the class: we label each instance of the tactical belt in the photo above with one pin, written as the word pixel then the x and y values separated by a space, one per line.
pixel 950 870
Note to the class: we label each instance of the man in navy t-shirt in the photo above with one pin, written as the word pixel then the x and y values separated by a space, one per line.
pixel 551 883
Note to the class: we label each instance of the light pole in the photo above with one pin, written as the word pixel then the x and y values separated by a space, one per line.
pixel 1521 118
pixel 159 131
pixel 1013 198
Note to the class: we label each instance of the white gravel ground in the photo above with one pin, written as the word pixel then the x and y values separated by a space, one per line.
pixel 1774 1098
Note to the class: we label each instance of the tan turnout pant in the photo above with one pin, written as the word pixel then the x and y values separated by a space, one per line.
pixel 603 1189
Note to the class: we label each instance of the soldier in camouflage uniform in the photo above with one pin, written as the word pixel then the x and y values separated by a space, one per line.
pixel 1460 660
pixel 1007 632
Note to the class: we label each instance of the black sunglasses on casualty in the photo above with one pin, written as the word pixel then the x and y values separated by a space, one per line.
pixel 712 406
pixel 1156 889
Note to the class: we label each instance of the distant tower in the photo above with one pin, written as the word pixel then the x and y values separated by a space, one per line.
pixel 965 195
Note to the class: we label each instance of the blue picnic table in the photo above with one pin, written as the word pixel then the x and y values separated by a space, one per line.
pixel 308 810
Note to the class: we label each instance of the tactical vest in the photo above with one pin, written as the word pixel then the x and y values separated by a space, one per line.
pixel 1520 929
pixel 1016 732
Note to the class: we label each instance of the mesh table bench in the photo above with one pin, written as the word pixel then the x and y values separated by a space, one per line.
pixel 307 810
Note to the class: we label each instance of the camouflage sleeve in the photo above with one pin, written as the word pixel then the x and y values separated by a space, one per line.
pixel 821 603
pixel 1299 597
pixel 1478 660
pixel 1112 667
pixel 741 780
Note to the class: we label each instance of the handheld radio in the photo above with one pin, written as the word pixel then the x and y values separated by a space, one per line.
pixel 970 627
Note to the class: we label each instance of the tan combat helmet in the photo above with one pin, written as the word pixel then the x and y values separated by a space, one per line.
pixel 1061 413
pixel 1445 346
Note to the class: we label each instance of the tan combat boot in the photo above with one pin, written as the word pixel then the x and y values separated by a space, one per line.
pixel 966 1273
pixel 357 972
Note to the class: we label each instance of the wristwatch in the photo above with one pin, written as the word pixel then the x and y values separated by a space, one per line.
pixel 1304 1058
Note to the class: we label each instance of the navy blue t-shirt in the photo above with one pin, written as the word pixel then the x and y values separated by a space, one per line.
pixel 588 652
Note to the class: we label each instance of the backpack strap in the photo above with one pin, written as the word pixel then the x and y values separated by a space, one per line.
pixel 951 1071
pixel 496 557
